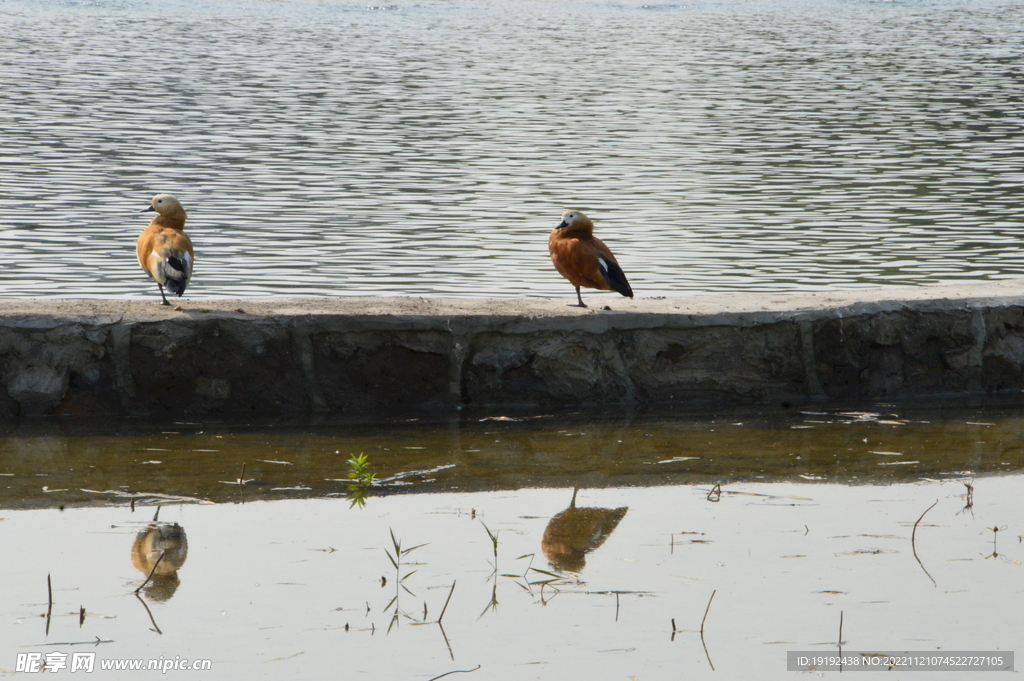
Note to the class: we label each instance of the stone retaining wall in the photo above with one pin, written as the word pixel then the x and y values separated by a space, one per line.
pixel 279 357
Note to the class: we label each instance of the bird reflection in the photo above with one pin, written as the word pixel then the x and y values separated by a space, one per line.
pixel 575 532
pixel 167 539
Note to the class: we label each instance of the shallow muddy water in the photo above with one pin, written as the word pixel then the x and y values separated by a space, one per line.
pixel 904 524
pixel 56 462
pixel 427 148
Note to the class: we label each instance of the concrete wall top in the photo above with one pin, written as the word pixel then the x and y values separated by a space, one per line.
pixel 284 356
pixel 681 311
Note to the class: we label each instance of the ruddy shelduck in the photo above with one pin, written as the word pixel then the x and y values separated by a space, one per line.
pixel 583 259
pixel 164 250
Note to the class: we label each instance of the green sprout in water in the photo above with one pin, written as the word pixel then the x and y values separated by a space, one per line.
pixel 360 479
pixel 493 605
pixel 396 561
pixel 548 579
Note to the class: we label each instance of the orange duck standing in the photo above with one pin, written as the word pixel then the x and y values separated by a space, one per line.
pixel 164 250
pixel 583 259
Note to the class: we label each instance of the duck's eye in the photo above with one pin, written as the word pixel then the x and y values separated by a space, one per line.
pixel 160 201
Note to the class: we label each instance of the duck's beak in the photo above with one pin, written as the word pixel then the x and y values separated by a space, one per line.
pixel 562 224
pixel 147 209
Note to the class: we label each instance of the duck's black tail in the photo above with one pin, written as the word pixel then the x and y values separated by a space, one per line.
pixel 614 276
pixel 177 270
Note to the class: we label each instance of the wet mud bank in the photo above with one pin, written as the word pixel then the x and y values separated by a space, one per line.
pixel 282 357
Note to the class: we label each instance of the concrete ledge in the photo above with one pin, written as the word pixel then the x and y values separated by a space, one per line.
pixel 278 356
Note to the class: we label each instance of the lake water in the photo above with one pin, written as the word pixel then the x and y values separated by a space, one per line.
pixel 557 546
pixel 427 148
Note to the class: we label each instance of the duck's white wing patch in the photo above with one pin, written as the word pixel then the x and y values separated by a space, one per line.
pixel 156 268
pixel 173 264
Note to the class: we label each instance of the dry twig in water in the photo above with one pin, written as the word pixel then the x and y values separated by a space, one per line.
pixel 155 565
pixel 706 653
pixel 706 612
pixel 456 671
pixel 150 613
pixel 95 642
pixel 445 603
pixel 49 605
pixel 913 544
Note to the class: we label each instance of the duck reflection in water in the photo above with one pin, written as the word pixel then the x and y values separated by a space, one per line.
pixel 575 532
pixel 167 539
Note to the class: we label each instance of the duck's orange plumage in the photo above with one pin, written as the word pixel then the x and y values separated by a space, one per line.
pixel 583 259
pixel 164 250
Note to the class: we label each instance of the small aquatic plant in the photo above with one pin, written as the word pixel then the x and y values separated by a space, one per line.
pixel 551 577
pixel 493 604
pixel 396 561
pixel 494 541
pixel 360 479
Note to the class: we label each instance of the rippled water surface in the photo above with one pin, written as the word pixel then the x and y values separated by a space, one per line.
pixel 427 148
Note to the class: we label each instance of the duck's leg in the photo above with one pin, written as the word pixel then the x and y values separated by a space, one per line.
pixel 162 293
pixel 579 298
